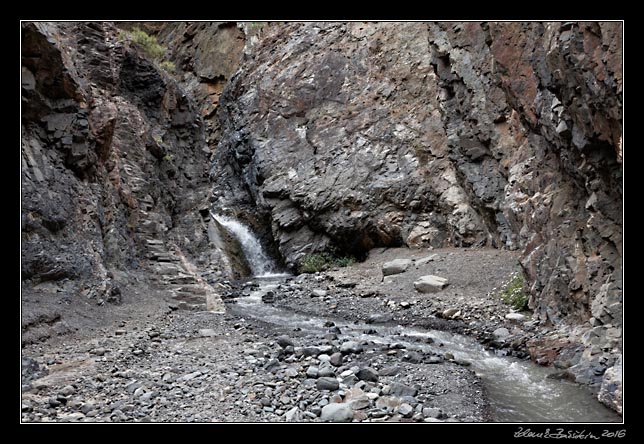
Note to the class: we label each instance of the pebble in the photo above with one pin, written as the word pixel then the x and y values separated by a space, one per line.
pixel 367 374
pixel 405 410
pixel 292 415
pixel 68 390
pixel 350 347
pixel 284 341
pixel 327 384
pixel 451 313
pixel 431 412
pixel 325 371
pixel 501 333
pixel 291 372
pixel 398 389
pixel 336 413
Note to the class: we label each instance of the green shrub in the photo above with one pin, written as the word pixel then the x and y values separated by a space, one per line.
pixel 322 261
pixel 513 293
pixel 344 261
pixel 167 65
pixel 148 43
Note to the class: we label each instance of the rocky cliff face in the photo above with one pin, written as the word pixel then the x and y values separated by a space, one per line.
pixel 114 176
pixel 347 136
pixel 327 136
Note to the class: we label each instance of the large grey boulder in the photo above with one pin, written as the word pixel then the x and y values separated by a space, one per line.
pixel 395 267
pixel 610 392
pixel 430 284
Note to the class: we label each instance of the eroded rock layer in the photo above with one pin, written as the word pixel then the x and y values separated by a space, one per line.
pixel 114 176
pixel 347 136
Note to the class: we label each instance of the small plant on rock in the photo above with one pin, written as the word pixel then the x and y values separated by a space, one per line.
pixel 148 43
pixel 513 293
pixel 168 66
pixel 316 262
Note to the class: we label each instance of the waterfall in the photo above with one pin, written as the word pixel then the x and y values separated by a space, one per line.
pixel 260 263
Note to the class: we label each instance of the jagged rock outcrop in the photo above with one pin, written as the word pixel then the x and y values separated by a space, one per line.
pixel 114 175
pixel 327 136
pixel 348 136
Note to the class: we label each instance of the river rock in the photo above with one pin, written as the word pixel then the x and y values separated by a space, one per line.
pixel 388 403
pixel 399 390
pixel 395 267
pixel 87 407
pixel 336 412
pixel 207 332
pixel 311 351
pixel 405 410
pixel 367 374
pixel 293 415
pixel 325 370
pixel 291 372
pixel 350 347
pixel 501 333
pixel 284 341
pixel 327 383
pixel 610 392
pixel 357 399
pixel 431 412
pixel 317 293
pixel 430 284
pixel 336 359
pixel 516 317
pixel 68 390
pixel 451 313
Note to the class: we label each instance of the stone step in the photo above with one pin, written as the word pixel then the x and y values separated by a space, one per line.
pixel 168 268
pixel 182 279
pixel 189 298
pixel 192 289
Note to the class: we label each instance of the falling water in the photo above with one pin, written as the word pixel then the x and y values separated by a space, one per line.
pixel 261 265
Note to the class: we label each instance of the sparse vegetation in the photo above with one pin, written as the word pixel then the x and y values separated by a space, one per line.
pixel 148 43
pixel 323 261
pixel 168 66
pixel 513 293
pixel 150 46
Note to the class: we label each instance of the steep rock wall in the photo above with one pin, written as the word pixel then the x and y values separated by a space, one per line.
pixel 348 136
pixel 114 173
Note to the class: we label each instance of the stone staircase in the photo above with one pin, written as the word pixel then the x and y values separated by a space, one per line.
pixel 173 272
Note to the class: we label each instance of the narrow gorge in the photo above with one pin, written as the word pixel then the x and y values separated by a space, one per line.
pixel 321 221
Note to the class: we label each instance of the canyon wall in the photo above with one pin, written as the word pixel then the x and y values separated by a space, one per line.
pixel 334 137
pixel 349 136
pixel 115 187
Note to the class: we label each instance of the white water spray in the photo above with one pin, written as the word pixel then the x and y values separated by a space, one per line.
pixel 260 264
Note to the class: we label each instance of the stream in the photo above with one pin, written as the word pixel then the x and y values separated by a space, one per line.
pixel 518 390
